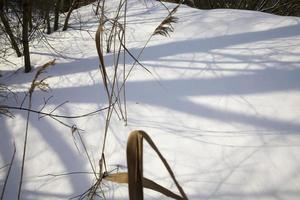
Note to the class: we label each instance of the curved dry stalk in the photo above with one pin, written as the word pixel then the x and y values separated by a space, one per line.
pixel 135 179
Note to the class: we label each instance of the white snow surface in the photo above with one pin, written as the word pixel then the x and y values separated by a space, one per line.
pixel 221 104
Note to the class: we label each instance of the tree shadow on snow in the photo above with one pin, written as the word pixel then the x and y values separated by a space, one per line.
pixel 174 94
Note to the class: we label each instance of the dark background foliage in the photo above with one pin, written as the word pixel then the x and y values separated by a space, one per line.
pixel 279 7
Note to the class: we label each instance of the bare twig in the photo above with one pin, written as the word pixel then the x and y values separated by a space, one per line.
pixel 55 115
pixel 8 172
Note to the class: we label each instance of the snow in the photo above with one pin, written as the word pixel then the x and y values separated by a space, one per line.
pixel 221 104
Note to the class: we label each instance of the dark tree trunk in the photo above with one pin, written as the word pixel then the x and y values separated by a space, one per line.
pixel 56 14
pixel 47 17
pixel 73 6
pixel 8 30
pixel 25 33
pixel 30 23
pixel 98 7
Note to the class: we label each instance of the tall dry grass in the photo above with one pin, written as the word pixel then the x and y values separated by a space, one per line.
pixel 115 87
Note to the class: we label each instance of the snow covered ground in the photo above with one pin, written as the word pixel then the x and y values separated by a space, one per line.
pixel 222 105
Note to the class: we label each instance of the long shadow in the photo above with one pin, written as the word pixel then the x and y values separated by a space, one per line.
pixel 73 67
pixel 6 151
pixel 155 52
pixel 71 160
pixel 67 157
pixel 174 93
pixel 255 82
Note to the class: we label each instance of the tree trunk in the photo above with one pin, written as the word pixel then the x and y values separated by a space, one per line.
pixel 30 23
pixel 4 2
pixel 8 30
pixel 56 14
pixel 98 7
pixel 47 17
pixel 74 4
pixel 25 40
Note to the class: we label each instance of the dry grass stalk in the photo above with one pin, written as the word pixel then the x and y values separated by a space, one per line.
pixel 34 84
pixel 165 27
pixel 117 43
pixel 110 85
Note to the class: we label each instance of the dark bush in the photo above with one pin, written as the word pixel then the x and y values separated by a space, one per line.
pixel 279 7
